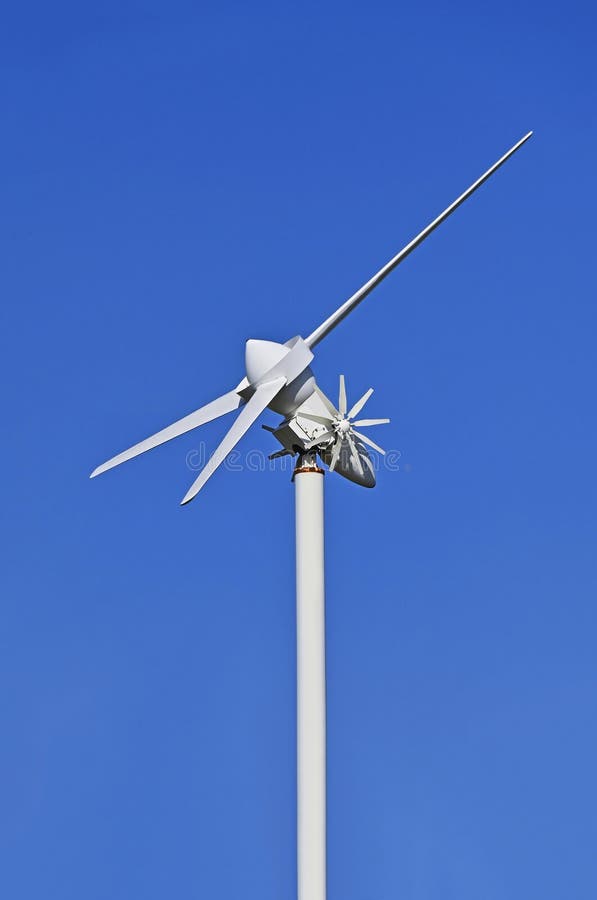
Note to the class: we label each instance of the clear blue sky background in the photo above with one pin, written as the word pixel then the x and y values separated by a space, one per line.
pixel 177 178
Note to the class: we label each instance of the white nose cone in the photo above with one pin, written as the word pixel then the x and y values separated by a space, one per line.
pixel 261 356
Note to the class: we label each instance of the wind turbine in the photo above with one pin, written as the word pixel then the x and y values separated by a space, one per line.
pixel 278 376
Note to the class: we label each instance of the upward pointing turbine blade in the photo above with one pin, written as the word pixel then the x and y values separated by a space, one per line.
pixel 342 397
pixel 324 329
pixel 219 407
pixel 255 406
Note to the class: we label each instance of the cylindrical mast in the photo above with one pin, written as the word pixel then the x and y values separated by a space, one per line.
pixel 310 642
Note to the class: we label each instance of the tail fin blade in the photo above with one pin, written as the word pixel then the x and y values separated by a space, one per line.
pixel 219 407
pixel 354 454
pixel 369 442
pixel 371 422
pixel 336 453
pixel 327 403
pixel 355 410
pixel 342 396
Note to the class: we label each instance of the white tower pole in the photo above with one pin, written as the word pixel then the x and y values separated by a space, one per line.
pixel 310 644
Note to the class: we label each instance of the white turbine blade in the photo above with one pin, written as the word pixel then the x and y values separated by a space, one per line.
pixel 342 397
pixel 355 454
pixel 359 404
pixel 318 440
pixel 365 422
pixel 324 329
pixel 369 442
pixel 327 403
pixel 219 407
pixel 263 395
pixel 321 420
pixel 335 453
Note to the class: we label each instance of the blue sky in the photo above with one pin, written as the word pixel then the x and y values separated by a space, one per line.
pixel 177 178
